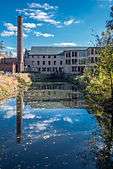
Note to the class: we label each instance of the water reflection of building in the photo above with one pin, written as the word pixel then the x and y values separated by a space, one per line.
pixel 54 95
pixel 19 106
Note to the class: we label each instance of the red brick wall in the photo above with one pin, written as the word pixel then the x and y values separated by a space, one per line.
pixel 8 67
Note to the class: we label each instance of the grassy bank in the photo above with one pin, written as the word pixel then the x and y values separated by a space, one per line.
pixel 9 84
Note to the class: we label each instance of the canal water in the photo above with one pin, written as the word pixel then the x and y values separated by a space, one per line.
pixel 49 127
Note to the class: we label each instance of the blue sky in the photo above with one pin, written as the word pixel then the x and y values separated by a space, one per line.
pixel 53 22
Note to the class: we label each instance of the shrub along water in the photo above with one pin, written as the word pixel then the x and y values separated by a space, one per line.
pixel 99 80
pixel 9 84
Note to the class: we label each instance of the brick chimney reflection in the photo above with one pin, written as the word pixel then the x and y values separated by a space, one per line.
pixel 19 115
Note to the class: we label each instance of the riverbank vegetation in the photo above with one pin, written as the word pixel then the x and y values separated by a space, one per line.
pixel 98 81
pixel 9 84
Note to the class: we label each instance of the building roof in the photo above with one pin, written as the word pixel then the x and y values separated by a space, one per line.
pixel 9 60
pixel 48 50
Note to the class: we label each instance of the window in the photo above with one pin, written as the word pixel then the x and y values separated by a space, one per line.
pixel 79 69
pixel 38 62
pixel 61 62
pixel 96 59
pixel 49 62
pixel 60 69
pixel 44 69
pixel 32 56
pixel 33 62
pixel 92 51
pixel 92 59
pixel 43 62
pixel 39 69
pixel 54 62
pixel 54 69
pixel 68 62
pixel 55 56
pixel 49 69
pixel 43 56
pixel 74 61
pixel 49 56
pixel 68 55
pixel 74 54
pixel 74 68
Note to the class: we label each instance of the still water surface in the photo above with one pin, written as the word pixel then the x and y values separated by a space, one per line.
pixel 48 127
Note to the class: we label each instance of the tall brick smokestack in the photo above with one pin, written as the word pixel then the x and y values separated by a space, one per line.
pixel 20 57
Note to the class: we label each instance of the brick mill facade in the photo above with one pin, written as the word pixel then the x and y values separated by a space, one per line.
pixel 66 60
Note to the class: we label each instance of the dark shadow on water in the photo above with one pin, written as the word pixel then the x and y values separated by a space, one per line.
pixel 104 117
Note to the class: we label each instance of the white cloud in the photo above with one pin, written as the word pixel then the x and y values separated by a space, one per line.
pixel 11 30
pixel 7 33
pixel 10 27
pixel 29 26
pixel 29 116
pixel 46 35
pixel 45 6
pixel 44 17
pixel 39 24
pixel 10 48
pixel 68 119
pixel 65 44
pixel 70 22
pixel 40 126
pixel 40 13
pixel 45 13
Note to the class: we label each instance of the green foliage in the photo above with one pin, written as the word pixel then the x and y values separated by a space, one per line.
pixel 99 80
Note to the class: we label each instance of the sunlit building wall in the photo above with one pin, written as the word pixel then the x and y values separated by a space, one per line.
pixel 67 60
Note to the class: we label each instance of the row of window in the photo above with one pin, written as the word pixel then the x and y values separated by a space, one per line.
pixel 68 61
pixel 81 53
pixel 78 69
pixel 81 61
pixel 49 69
pixel 33 56
pixel 44 62
pixel 92 51
pixel 69 54
pixel 93 60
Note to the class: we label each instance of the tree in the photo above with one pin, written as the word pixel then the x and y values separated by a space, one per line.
pixel 105 65
pixel 109 24
pixel 99 81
